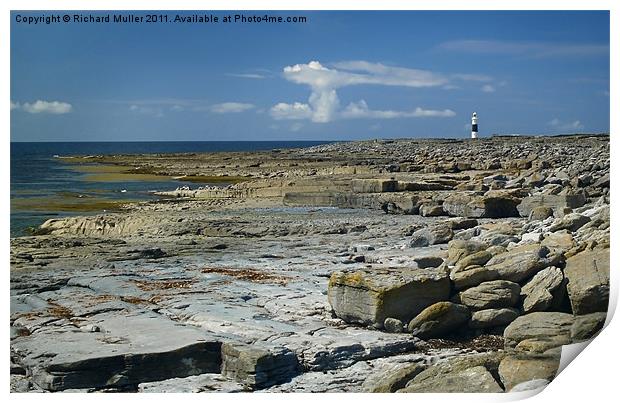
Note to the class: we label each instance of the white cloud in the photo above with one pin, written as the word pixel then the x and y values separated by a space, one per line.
pixel 488 88
pixel 529 49
pixel 324 105
pixel 231 107
pixel 559 125
pixel 357 110
pixel 39 106
pixel 247 75
pixel 296 110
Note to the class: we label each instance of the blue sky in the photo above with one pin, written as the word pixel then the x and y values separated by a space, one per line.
pixel 341 75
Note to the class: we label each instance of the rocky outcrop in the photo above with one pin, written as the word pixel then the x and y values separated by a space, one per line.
pixel 432 235
pixel 369 297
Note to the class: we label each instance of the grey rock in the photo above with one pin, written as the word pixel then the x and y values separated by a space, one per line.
pixel 587 326
pixel 539 293
pixel 471 276
pixel 439 319
pixel 465 374
pixel 394 379
pixel 154 348
pixel 258 365
pixel 431 210
pixel 462 223
pixel 392 325
pixel 458 249
pixel 553 201
pixel 540 326
pixel 588 281
pixel 516 369
pixel 571 222
pixel 475 259
pixel 540 213
pixel 370 296
pixel 489 318
pixel 534 384
pixel 431 235
pixel 194 384
pixel 424 262
pixel 522 262
pixel 492 205
pixel 491 294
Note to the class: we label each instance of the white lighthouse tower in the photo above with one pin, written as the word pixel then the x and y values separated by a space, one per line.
pixel 474 126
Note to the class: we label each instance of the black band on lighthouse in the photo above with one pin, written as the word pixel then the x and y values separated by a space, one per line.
pixel 474 128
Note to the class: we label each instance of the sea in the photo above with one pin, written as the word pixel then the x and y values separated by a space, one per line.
pixel 43 186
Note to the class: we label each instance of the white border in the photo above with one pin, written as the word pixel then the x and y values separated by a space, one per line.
pixel 591 377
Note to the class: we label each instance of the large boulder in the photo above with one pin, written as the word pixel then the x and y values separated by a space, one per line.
pixel 438 320
pixel 431 235
pixel 556 202
pixel 490 294
pixel 522 262
pixel 544 290
pixel 588 281
pixel 516 369
pixel 494 204
pixel 370 296
pixel 553 327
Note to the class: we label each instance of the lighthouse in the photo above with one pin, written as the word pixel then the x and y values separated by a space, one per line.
pixel 474 126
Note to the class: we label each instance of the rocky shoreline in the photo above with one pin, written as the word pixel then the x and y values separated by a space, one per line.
pixel 379 266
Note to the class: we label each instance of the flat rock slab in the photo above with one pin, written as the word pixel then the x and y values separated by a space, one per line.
pixel 588 281
pixel 370 296
pixel 127 351
pixel 193 384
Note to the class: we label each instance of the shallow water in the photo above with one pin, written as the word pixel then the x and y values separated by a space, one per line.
pixel 44 186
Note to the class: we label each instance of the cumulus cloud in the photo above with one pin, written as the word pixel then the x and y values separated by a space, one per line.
pixel 230 107
pixel 296 110
pixel 40 106
pixel 488 88
pixel 324 105
pixel 559 125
